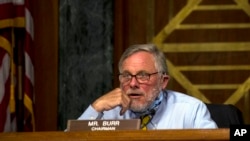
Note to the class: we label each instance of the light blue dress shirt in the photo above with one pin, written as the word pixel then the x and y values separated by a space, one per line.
pixel 176 111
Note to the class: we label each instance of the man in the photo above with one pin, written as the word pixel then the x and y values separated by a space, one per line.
pixel 143 78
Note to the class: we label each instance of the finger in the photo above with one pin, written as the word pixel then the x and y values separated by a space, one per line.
pixel 123 110
pixel 108 101
pixel 125 104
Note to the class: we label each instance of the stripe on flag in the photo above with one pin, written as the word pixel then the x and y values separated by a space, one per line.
pixel 29 70
pixel 5 66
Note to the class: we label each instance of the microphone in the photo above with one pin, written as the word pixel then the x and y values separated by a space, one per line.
pixel 152 112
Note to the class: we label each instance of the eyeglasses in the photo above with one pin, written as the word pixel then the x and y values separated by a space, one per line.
pixel 141 77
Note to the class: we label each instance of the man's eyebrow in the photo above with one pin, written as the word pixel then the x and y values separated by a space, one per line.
pixel 142 71
pixel 139 72
pixel 125 71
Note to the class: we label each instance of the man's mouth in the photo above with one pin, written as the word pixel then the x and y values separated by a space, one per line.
pixel 134 95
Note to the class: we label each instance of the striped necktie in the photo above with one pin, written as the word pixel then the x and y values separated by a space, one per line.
pixel 144 121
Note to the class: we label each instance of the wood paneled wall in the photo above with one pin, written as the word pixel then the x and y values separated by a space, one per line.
pixel 206 43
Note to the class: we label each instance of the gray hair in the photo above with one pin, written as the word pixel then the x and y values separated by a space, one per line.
pixel 160 59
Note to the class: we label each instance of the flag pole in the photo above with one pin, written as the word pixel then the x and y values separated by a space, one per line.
pixel 19 93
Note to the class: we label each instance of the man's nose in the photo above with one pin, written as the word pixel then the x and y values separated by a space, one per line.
pixel 133 81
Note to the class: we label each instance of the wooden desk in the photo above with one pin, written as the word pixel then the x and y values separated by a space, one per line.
pixel 136 135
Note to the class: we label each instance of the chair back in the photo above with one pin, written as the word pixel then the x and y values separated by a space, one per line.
pixel 225 114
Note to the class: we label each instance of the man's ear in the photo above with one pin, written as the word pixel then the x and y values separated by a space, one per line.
pixel 165 79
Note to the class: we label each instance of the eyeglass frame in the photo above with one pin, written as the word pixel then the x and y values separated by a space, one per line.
pixel 136 77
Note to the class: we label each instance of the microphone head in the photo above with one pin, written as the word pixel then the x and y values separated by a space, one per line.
pixel 152 112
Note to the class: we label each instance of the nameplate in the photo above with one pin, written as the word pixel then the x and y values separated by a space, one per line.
pixel 103 125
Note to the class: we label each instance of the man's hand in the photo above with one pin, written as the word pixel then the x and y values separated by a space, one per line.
pixel 112 99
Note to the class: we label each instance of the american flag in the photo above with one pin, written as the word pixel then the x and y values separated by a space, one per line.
pixel 16 66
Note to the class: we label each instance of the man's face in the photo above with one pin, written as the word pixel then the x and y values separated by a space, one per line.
pixel 142 94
